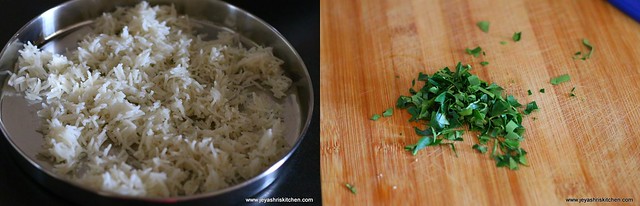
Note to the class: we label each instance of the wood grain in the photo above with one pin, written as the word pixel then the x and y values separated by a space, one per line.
pixel 579 147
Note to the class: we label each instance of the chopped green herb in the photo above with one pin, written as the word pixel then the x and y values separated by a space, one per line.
pixel 375 117
pixel 513 102
pixel 484 26
pixel 484 63
pixel 453 148
pixel 542 90
pixel 388 112
pixel 572 94
pixel 589 46
pixel 397 77
pixel 475 52
pixel 516 36
pixel 503 42
pixel 580 55
pixel 586 43
pixel 450 99
pixel 480 148
pixel 484 54
pixel 529 92
pixel 560 79
pixel 421 144
pixel 351 188
pixel 532 106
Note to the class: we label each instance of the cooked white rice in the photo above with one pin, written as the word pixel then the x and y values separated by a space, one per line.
pixel 144 107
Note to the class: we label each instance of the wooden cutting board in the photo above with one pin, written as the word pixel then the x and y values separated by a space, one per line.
pixel 585 146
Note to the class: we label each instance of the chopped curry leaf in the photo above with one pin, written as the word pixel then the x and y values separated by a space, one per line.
pixel 513 101
pixel 516 36
pixel 572 94
pixel 453 147
pixel 532 106
pixel 560 79
pixel 351 188
pixel 483 25
pixel 586 43
pixel 375 117
pixel 388 112
pixel 484 63
pixel 475 52
pixel 542 90
pixel 529 92
pixel 503 42
pixel 421 144
pixel 453 98
pixel 577 55
pixel 581 55
pixel 480 148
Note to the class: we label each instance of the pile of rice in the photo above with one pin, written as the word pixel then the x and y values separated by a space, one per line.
pixel 144 107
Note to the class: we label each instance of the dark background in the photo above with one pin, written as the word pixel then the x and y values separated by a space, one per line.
pixel 298 21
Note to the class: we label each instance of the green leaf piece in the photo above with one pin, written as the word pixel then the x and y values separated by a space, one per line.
pixel 388 112
pixel 513 101
pixel 480 148
pixel 484 26
pixel 516 36
pixel 582 55
pixel 560 79
pixel 589 46
pixel 532 106
pixel 351 188
pixel 475 52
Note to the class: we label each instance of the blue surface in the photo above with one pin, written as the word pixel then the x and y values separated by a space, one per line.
pixel 629 7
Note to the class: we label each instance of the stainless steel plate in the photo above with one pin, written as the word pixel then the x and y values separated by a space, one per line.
pixel 60 28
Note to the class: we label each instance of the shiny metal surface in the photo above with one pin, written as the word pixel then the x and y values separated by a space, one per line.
pixel 58 30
